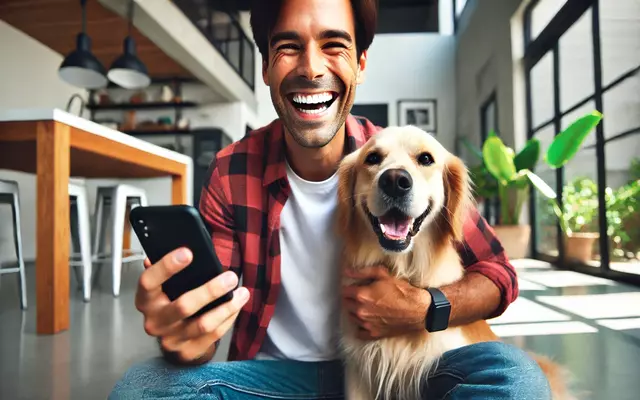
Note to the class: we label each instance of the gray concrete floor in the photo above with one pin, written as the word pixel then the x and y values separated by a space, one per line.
pixel 590 325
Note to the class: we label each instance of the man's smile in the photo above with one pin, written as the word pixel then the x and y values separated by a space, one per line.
pixel 312 105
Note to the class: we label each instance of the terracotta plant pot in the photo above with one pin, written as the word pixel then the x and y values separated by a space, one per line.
pixel 515 239
pixel 579 246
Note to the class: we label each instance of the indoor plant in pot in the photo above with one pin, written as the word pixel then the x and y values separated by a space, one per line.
pixel 579 218
pixel 514 176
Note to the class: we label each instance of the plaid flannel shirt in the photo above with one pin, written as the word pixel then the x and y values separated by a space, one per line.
pixel 242 198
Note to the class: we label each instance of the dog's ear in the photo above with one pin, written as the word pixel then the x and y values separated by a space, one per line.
pixel 346 192
pixel 457 198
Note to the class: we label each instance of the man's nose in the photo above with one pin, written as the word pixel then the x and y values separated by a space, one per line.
pixel 312 63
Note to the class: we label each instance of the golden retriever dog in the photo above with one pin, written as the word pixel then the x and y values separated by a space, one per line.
pixel 412 232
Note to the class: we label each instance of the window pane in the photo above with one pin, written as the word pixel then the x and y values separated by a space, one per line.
pixel 622 106
pixel 576 62
pixel 489 119
pixel 542 90
pixel 580 204
pixel 543 13
pixel 619 37
pixel 546 221
pixel 623 208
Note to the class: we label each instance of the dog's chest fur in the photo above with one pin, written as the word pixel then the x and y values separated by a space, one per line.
pixel 393 367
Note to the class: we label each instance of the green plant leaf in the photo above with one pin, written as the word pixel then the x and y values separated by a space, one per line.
pixel 568 142
pixel 473 149
pixel 540 184
pixel 498 159
pixel 527 158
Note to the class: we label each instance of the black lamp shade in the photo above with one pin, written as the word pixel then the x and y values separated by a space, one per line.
pixel 81 68
pixel 128 71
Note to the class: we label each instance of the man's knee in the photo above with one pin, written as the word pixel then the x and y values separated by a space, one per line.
pixel 156 377
pixel 504 371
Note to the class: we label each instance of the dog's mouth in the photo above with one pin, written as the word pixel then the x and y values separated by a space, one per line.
pixel 395 229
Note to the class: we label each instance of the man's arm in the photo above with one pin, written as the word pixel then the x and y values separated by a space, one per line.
pixel 218 217
pixel 490 283
pixel 389 306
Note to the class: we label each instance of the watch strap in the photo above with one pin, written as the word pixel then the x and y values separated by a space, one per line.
pixel 439 311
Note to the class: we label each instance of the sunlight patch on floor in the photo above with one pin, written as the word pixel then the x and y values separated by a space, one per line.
pixel 597 306
pixel 543 329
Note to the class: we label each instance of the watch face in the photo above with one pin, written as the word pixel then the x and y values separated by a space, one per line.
pixel 439 312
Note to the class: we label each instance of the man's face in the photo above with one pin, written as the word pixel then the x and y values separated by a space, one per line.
pixel 313 68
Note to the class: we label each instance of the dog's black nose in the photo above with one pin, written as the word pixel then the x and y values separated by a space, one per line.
pixel 395 182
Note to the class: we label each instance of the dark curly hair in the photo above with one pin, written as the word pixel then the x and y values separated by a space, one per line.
pixel 264 15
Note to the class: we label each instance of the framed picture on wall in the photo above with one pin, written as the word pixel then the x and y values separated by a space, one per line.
pixel 421 113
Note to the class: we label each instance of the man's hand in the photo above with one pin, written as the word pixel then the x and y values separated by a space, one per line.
pixel 386 306
pixel 189 341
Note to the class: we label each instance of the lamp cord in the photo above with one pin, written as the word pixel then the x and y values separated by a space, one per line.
pixel 131 7
pixel 83 4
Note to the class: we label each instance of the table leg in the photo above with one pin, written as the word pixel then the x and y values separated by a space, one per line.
pixel 52 241
pixel 179 188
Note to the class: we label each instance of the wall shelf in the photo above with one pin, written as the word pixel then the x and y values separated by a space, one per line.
pixel 143 106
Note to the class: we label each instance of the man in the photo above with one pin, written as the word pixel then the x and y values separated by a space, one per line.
pixel 269 202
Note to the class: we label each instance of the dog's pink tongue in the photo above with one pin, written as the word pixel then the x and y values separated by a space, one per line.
pixel 395 228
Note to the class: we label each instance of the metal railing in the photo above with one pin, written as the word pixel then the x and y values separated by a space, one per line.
pixel 218 22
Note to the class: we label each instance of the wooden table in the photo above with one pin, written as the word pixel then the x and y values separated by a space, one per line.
pixel 55 145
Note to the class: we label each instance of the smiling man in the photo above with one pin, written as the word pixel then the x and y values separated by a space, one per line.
pixel 269 201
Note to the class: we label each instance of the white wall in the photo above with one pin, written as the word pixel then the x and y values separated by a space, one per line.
pixel 483 64
pixel 28 78
pixel 413 66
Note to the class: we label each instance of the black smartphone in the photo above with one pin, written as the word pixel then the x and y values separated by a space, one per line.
pixel 162 229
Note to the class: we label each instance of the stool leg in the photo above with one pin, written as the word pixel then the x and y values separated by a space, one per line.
pixel 73 230
pixel 99 215
pixel 85 245
pixel 118 213
pixel 17 237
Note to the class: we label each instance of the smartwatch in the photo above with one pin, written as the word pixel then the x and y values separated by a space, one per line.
pixel 438 312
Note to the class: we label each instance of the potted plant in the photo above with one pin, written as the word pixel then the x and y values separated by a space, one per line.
pixel 579 218
pixel 514 176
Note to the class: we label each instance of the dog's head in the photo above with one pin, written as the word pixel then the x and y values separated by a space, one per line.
pixel 399 185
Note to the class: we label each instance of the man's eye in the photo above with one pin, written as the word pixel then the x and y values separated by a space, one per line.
pixel 334 45
pixel 287 47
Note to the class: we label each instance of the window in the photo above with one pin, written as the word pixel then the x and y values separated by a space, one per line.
pixel 488 123
pixel 582 56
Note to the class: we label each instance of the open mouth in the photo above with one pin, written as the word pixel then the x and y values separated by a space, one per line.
pixel 313 104
pixel 395 229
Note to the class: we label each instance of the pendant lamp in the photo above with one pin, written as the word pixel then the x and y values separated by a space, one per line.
pixel 128 71
pixel 81 68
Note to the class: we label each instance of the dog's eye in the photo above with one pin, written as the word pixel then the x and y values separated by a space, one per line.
pixel 373 158
pixel 425 159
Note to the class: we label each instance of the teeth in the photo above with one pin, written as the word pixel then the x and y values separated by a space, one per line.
pixel 312 99
pixel 383 229
pixel 316 111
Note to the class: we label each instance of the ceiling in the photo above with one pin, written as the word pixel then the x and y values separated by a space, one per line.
pixel 55 23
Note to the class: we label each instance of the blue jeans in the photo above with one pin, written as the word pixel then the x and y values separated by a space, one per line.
pixel 489 371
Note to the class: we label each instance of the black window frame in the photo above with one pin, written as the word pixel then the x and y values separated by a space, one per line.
pixel 535 49
pixel 491 205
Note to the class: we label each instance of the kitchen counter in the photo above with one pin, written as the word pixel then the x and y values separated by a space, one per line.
pixel 56 145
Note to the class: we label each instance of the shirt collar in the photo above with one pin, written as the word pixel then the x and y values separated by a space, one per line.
pixel 275 168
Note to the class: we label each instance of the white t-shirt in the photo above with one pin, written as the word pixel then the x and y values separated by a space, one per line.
pixel 304 326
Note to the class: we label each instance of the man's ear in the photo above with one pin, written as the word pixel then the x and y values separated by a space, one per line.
pixel 346 192
pixel 457 198
pixel 265 77
pixel 362 65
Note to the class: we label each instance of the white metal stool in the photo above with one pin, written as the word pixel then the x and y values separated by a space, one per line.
pixel 119 199
pixel 9 194
pixel 81 235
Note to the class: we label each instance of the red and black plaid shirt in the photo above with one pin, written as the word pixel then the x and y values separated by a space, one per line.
pixel 241 201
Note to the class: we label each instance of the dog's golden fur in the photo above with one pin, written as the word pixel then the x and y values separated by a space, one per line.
pixel 393 367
